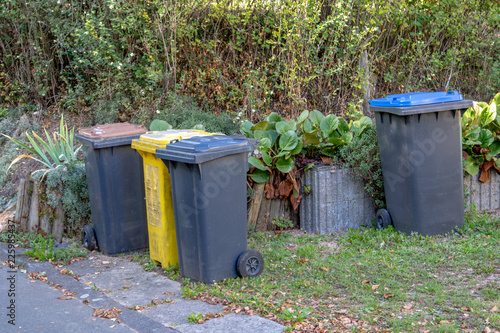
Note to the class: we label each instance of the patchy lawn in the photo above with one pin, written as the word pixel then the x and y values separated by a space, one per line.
pixel 371 280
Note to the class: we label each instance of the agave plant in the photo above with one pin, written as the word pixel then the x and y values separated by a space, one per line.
pixel 57 150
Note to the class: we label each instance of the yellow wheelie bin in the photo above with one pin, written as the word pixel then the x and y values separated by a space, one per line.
pixel 159 206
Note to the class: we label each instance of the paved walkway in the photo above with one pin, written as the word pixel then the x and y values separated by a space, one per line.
pixel 62 302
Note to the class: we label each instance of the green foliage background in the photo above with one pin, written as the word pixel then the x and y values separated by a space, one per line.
pixel 236 55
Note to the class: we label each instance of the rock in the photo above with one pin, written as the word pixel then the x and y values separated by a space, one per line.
pixel 5 217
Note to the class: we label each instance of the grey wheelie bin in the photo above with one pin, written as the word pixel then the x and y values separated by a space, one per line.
pixel 115 181
pixel 420 144
pixel 208 177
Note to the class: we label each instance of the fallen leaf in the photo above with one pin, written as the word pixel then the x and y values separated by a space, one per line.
pixel 494 309
pixel 388 295
pixel 88 283
pixel 445 322
pixel 302 261
pixel 375 286
pixel 63 298
pixel 365 282
pixel 86 301
pixel 326 269
pixel 487 330
pixel 64 271
pixel 105 262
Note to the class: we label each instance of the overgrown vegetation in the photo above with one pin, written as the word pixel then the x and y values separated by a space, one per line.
pixel 372 280
pixel 480 138
pixel 42 247
pixel 118 59
pixel 362 155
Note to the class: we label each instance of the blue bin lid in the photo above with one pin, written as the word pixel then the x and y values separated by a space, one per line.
pixel 417 98
pixel 197 150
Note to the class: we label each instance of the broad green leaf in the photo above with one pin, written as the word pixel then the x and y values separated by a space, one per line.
pixel 288 140
pixel 274 135
pixel 273 118
pixel 285 165
pixel 337 141
pixel 473 133
pixel 347 137
pixel 259 176
pixel 316 117
pixel 488 114
pixel 303 116
pixel 264 144
pixel 283 127
pixel 328 124
pixel 307 126
pixel 471 166
pixel 246 129
pixel 298 148
pixel 497 163
pixel 496 100
pixel 260 134
pixel 343 126
pixel 257 163
pixel 494 149
pixel 310 139
pixel 267 159
pixel 260 126
pixel 486 138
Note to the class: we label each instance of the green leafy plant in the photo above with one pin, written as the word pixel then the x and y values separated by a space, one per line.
pixel 52 153
pixel 194 318
pixel 282 223
pixel 159 125
pixel 480 137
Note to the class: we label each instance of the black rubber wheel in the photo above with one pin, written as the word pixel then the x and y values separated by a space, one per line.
pixel 250 263
pixel 89 240
pixel 383 219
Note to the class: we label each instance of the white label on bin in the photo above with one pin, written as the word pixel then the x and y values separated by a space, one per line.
pixel 151 179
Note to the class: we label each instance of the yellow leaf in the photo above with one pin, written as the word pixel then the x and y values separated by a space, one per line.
pixel 87 283
pixel 375 286
pixel 324 269
pixel 494 309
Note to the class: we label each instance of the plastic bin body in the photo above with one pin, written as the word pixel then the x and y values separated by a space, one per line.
pixel 160 212
pixel 421 155
pixel 116 191
pixel 209 196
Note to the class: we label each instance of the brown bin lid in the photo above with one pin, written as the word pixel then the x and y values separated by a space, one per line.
pixel 111 130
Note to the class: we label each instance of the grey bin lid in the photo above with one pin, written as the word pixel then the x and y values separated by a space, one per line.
pixel 198 150
pixel 418 103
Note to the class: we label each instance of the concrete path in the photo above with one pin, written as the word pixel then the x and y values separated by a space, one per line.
pixel 62 302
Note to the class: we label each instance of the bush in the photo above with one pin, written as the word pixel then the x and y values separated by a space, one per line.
pixel 69 185
pixel 261 56
pixel 362 154
pixel 184 113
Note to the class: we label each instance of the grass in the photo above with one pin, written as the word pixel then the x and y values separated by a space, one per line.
pixel 373 280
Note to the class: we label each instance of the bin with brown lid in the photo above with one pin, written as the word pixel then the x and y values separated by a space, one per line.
pixel 115 179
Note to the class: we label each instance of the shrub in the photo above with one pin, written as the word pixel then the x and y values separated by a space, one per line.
pixel 362 154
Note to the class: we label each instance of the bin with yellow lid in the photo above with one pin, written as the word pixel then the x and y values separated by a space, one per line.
pixel 159 207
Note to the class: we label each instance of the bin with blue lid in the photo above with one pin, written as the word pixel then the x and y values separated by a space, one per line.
pixel 208 179
pixel 420 142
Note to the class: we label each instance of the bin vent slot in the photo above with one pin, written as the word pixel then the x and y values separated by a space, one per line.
pixel 453 112
pixel 437 115
pixel 381 117
pixel 418 118
pixel 390 118
pixel 407 118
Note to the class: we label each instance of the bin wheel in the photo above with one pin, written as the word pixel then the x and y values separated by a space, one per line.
pixel 383 219
pixel 250 263
pixel 89 240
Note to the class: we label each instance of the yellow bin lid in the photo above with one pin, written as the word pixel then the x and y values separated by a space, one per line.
pixel 151 141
